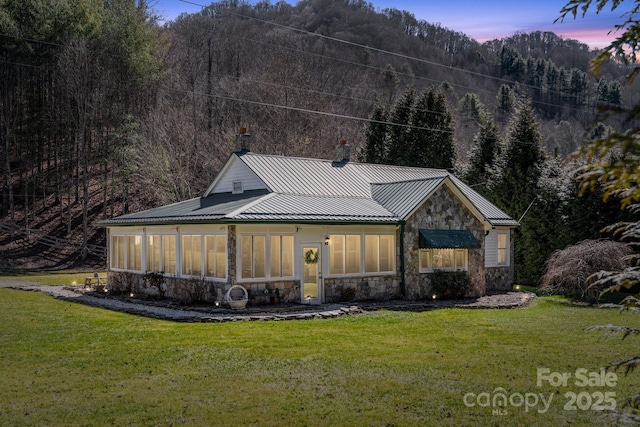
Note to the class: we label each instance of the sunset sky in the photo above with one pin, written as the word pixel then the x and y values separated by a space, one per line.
pixel 479 19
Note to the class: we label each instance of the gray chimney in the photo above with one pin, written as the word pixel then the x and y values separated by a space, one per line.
pixel 243 140
pixel 343 151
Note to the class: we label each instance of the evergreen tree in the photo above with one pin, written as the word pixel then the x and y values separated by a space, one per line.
pixel 444 152
pixel 505 101
pixel 375 150
pixel 484 156
pixel 398 131
pixel 431 135
pixel 471 108
pixel 517 191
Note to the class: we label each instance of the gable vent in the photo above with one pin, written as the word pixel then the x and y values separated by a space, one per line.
pixel 237 187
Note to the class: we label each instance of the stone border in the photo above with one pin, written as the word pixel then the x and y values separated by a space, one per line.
pixel 217 315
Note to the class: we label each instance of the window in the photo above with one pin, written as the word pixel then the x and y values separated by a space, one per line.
pixel 502 248
pixel 281 256
pixel 254 256
pixel 126 252
pixel 237 187
pixel 169 254
pixel 378 253
pixel 153 253
pixel 117 252
pixel 215 256
pixel 355 253
pixel 192 255
pixel 336 254
pixel 443 259
pixel 344 254
pixel 161 253
pixel 204 255
pixel 134 253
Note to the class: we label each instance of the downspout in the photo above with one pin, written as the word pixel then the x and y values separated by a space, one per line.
pixel 403 291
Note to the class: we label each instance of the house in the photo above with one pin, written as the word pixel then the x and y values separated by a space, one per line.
pixel 319 231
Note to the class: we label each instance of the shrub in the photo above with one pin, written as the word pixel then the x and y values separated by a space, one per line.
pixel 567 269
pixel 195 291
pixel 450 284
pixel 155 279
pixel 121 282
pixel 347 294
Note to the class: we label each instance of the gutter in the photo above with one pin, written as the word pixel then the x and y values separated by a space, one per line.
pixel 403 289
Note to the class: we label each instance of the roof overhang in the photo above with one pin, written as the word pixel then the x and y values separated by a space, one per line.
pixel 429 239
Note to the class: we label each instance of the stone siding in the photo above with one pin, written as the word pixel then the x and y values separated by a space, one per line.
pixel 182 289
pixel 499 279
pixel 443 211
pixel 361 288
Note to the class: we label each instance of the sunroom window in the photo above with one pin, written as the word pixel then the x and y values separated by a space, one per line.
pixel 357 253
pixel 126 252
pixel 258 263
pixel 161 253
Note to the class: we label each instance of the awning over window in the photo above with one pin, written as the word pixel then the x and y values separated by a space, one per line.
pixel 447 239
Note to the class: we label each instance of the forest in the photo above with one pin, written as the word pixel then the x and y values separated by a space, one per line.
pixel 106 109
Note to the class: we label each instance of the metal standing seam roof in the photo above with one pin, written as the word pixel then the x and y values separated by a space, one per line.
pixel 317 208
pixel 490 211
pixel 401 198
pixel 323 177
pixel 318 177
pixel 201 209
pixel 303 189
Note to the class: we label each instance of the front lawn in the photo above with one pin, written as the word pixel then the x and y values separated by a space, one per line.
pixel 70 364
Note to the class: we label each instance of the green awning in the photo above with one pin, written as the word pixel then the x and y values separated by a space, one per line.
pixel 447 239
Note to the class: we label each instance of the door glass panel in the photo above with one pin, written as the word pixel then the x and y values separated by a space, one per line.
pixel 310 273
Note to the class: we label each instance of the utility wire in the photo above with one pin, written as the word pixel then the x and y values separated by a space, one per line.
pixel 400 55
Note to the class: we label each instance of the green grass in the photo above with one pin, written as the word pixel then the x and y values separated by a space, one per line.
pixel 70 364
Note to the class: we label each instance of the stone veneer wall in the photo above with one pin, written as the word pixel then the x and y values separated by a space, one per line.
pixel 443 211
pixel 361 288
pixel 232 236
pixel 181 288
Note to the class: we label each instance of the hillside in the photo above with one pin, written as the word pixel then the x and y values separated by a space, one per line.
pixel 115 113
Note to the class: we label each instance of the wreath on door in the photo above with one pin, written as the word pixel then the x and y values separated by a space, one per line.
pixel 311 257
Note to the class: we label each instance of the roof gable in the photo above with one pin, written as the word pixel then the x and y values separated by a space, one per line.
pixel 233 171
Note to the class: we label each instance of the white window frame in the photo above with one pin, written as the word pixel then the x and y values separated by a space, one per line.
pixel 362 235
pixel 161 261
pixel 427 254
pixel 202 234
pixel 267 276
pixel 504 251
pixel 126 235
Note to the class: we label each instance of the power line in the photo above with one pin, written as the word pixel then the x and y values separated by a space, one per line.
pixel 475 89
pixel 403 56
pixel 306 110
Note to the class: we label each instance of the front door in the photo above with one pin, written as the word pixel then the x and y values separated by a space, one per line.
pixel 311 274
